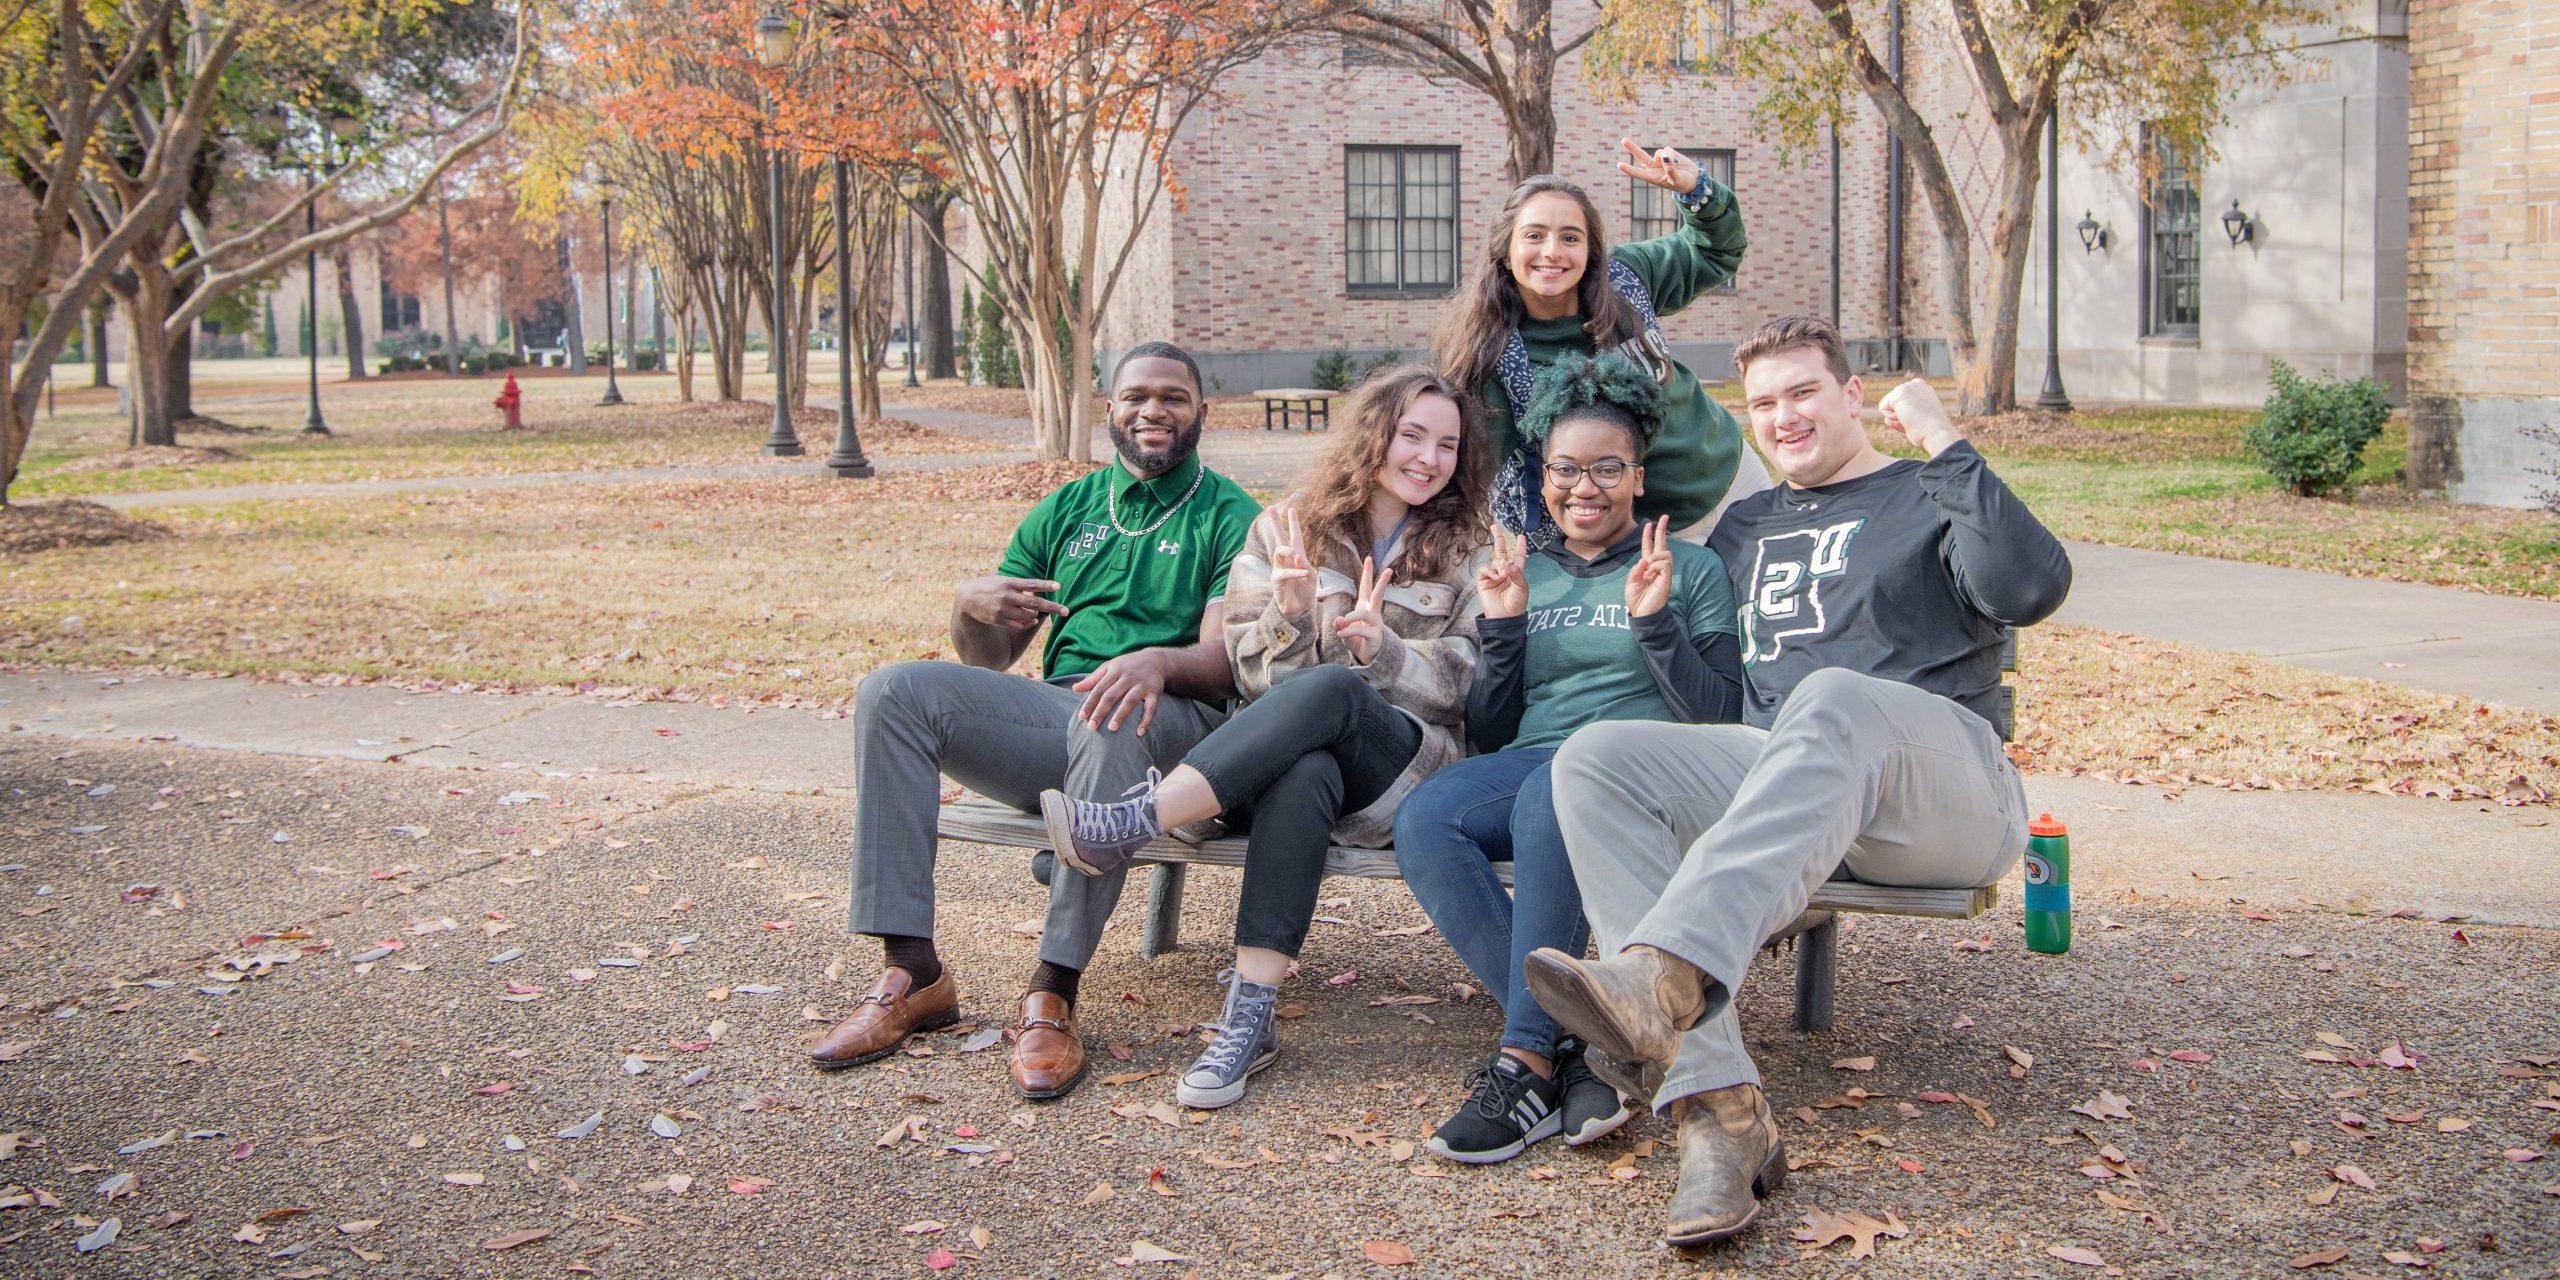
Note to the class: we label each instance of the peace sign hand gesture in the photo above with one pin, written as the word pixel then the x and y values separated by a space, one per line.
pixel 1649 581
pixel 1362 627
pixel 1502 586
pixel 1293 579
pixel 1667 168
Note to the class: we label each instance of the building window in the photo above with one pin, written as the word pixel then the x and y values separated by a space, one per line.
pixel 2172 226
pixel 1705 42
pixel 1653 211
pixel 1400 219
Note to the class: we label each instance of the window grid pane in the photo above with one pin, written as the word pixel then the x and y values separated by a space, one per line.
pixel 2173 243
pixel 1654 212
pixel 1400 219
pixel 1701 44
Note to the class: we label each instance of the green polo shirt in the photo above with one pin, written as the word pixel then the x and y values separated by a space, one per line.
pixel 1124 593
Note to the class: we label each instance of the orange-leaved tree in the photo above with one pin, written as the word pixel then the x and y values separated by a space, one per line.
pixel 1054 118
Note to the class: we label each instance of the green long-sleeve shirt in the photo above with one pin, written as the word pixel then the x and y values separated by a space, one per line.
pixel 1691 463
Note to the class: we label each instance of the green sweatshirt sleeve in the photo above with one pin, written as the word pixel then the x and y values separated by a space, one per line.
pixel 1701 255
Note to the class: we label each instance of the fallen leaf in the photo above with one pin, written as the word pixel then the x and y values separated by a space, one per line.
pixel 1855 1064
pixel 1822 1229
pixel 466 1179
pixel 1148 1251
pixel 2025 1061
pixel 941 1260
pixel 2317 1258
pixel 2353 1176
pixel 2108 1105
pixel 2075 1254
pixel 1387 1253
pixel 515 1239
pixel 1101 1192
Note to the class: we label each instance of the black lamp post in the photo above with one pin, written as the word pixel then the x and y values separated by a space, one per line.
pixel 612 388
pixel 847 461
pixel 2053 397
pixel 907 223
pixel 773 49
pixel 335 125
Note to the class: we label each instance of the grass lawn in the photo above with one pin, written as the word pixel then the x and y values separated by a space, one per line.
pixel 790 589
pixel 398 428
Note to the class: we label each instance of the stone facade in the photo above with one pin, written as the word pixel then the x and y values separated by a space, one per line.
pixel 2484 269
pixel 2320 165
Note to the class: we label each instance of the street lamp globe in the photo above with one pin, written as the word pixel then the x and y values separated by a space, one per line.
pixel 773 40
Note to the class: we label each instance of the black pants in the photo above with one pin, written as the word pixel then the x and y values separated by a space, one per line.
pixel 1321 744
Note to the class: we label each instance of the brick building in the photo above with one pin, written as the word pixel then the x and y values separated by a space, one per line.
pixel 1335 202
pixel 2484 273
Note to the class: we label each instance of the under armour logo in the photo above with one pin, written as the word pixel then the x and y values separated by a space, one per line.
pixel 1169 548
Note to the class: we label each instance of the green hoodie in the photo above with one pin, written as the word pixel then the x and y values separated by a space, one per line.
pixel 1691 463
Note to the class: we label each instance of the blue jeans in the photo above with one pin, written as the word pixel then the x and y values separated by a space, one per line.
pixel 1449 833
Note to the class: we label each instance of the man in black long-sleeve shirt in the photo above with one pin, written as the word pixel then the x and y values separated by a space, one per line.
pixel 1872 593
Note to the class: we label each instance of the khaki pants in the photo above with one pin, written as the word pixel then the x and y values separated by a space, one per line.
pixel 1702 840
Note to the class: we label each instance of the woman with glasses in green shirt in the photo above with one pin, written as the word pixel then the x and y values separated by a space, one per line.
pixel 1612 619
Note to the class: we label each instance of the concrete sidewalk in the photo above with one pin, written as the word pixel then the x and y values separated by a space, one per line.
pixel 2494 648
pixel 2350 851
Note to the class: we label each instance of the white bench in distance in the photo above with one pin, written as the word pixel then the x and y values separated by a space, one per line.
pixel 1815 934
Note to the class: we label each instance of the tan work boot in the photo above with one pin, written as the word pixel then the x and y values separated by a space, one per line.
pixel 1730 1157
pixel 1631 1008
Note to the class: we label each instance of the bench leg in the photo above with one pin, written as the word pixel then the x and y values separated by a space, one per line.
pixel 1817 975
pixel 1164 911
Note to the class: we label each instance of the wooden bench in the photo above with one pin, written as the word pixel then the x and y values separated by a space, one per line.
pixel 1815 934
pixel 1310 406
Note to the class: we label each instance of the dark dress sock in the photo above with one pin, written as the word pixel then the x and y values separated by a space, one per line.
pixel 1057 979
pixel 915 955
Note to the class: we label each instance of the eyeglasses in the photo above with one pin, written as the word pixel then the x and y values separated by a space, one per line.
pixel 1566 475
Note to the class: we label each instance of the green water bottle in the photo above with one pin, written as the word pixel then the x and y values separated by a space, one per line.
pixel 2048 886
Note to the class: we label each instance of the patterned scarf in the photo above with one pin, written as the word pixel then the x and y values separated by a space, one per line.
pixel 1517 505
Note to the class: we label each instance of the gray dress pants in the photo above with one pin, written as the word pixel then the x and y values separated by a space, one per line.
pixel 1010 738
pixel 1702 840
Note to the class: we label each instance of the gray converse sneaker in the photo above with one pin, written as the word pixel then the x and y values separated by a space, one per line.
pixel 1248 1039
pixel 1098 838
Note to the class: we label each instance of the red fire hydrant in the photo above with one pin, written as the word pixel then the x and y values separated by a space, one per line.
pixel 511 399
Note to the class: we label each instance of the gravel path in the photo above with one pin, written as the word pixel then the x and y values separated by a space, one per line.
pixel 356 1110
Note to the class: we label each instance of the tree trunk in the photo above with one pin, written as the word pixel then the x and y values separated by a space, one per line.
pixel 1989 383
pixel 940 360
pixel 146 310
pixel 684 357
pixel 1529 141
pixel 575 311
pixel 98 343
pixel 351 320
pixel 444 249
pixel 182 376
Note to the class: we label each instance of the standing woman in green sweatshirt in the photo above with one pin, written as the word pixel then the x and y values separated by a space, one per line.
pixel 1547 284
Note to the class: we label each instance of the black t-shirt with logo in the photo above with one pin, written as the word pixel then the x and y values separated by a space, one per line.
pixel 1907 573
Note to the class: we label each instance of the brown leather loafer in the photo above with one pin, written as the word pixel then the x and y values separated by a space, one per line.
pixel 1048 1055
pixel 886 1017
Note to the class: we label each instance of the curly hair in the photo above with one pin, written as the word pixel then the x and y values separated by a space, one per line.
pixel 1609 388
pixel 1334 495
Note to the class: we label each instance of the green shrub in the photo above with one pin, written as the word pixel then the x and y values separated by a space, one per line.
pixel 1393 356
pixel 2312 435
pixel 1333 369
pixel 992 359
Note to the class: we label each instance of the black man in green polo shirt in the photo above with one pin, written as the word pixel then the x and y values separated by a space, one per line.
pixel 1128 566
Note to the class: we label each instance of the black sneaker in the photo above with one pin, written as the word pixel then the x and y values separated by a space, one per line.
pixel 1507 1108
pixel 1592 1109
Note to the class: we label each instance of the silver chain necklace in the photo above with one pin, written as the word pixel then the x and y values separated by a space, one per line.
pixel 1111 503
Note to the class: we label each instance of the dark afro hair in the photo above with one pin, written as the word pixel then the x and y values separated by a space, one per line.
pixel 1612 388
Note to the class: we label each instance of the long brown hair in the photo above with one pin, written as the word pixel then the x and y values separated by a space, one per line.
pixel 1334 496
pixel 1479 321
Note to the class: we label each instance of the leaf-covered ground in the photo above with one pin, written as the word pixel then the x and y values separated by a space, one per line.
pixel 792 589
pixel 282 1018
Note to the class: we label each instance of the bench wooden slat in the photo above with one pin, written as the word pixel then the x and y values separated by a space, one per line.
pixel 986 822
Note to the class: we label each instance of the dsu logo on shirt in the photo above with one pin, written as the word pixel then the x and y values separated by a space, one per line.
pixel 1089 539
pixel 1785 597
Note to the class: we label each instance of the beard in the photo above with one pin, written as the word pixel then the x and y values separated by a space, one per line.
pixel 1158 461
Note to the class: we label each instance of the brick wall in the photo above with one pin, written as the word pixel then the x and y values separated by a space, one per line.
pixel 2484 251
